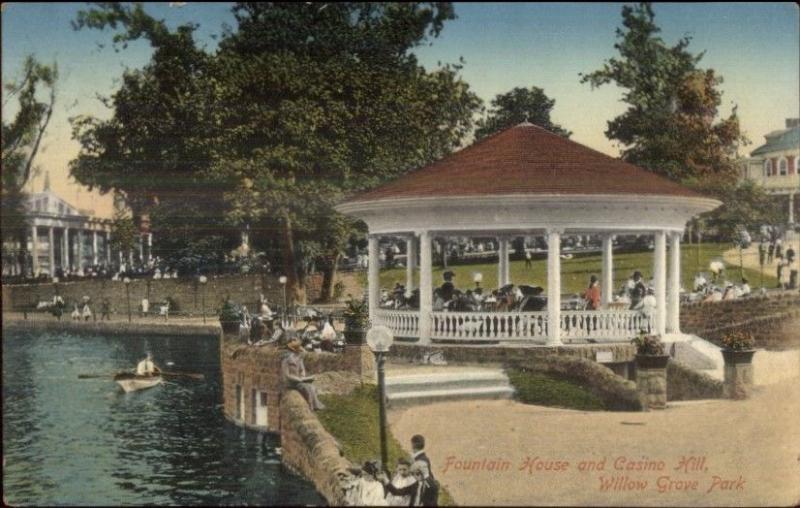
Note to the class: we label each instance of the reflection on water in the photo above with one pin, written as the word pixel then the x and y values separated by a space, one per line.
pixel 73 441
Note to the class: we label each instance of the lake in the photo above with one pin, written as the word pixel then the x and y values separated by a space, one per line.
pixel 70 441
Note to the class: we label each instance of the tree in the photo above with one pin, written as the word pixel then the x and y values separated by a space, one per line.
pixel 301 105
pixel 669 126
pixel 325 101
pixel 21 140
pixel 517 106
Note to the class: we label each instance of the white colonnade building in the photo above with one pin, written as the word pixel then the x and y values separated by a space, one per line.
pixel 527 181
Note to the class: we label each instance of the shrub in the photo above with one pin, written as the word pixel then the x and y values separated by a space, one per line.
pixel 356 321
pixel 648 344
pixel 738 340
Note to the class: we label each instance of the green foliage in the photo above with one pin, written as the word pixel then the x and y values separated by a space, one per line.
pixel 353 421
pixel 672 103
pixel 517 106
pixel 229 312
pixel 744 204
pixel 356 321
pixel 648 344
pixel 300 105
pixel 548 389
pixel 740 340
pixel 123 231
pixel 21 138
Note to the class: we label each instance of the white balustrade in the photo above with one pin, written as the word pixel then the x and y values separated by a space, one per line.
pixel 404 323
pixel 501 326
pixel 603 325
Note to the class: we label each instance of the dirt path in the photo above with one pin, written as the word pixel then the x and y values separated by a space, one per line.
pixel 746 453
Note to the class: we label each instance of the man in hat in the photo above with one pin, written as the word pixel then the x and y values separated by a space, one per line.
pixel 636 290
pixel 448 289
pixel 146 367
pixel 293 374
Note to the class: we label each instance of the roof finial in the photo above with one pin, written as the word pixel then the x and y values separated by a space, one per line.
pixel 46 181
pixel 526 122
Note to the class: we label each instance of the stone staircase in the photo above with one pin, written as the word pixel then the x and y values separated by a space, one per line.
pixel 436 384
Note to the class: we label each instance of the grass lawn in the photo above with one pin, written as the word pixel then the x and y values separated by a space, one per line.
pixel 575 272
pixel 549 390
pixel 353 421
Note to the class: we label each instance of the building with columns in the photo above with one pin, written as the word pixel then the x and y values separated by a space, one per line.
pixel 527 181
pixel 775 166
pixel 60 236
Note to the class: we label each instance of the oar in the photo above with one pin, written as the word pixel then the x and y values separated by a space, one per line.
pixel 93 376
pixel 183 374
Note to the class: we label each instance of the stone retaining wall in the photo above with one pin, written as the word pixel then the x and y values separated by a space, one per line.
pixel 766 316
pixel 258 368
pixel 617 393
pixel 186 292
pixel 115 327
pixel 457 353
pixel 685 383
pixel 309 450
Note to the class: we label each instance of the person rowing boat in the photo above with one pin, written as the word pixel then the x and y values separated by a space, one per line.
pixel 147 368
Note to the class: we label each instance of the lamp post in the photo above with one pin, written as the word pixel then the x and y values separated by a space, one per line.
pixel 282 279
pixel 127 283
pixel 203 279
pixel 379 339
pixel 477 278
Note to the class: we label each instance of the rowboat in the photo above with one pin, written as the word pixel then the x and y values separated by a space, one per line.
pixel 132 382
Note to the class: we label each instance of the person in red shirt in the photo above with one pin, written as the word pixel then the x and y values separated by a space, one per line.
pixel 592 294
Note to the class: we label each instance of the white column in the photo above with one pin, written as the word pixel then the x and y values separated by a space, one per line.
pixel 35 250
pixel 94 247
pixel 141 249
pixel 65 250
pixel 150 245
pixel 411 262
pixel 79 252
pixel 660 276
pixel 553 287
pixel 674 293
pixel 108 249
pixel 373 277
pixel 791 206
pixel 502 261
pixel 507 264
pixel 51 240
pixel 607 276
pixel 425 287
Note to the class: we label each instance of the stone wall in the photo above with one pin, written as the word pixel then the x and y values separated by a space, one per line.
pixel 115 328
pixel 617 393
pixel 309 450
pixel 652 385
pixel 258 368
pixel 766 316
pixel 458 353
pixel 186 292
pixel 685 383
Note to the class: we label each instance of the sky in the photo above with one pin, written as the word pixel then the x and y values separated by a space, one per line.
pixel 754 47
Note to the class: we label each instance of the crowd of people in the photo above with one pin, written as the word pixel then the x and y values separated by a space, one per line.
pixel 411 484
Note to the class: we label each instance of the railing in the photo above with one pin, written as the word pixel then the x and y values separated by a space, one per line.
pixel 404 323
pixel 505 326
pixel 603 324
pixel 610 325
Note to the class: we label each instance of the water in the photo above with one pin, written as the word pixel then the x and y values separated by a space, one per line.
pixel 70 441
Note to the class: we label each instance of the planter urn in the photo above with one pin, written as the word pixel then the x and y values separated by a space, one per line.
pixel 738 373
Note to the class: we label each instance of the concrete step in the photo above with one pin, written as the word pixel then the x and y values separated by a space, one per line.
pixel 431 396
pixel 445 381
pixel 410 387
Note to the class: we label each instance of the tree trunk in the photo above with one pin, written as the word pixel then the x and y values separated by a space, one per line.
pixel 329 278
pixel 295 289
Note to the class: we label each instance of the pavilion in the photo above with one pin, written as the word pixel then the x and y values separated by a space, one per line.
pixel 526 181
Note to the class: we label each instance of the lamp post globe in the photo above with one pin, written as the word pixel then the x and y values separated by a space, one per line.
pixel 127 283
pixel 282 279
pixel 379 340
pixel 203 279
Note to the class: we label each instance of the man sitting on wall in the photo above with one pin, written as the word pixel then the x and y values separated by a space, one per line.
pixel 293 374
